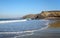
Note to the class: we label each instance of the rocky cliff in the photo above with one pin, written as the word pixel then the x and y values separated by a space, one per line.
pixel 51 14
pixel 45 15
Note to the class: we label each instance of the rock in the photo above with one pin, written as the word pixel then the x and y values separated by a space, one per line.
pixel 50 15
pixel 44 15
pixel 32 16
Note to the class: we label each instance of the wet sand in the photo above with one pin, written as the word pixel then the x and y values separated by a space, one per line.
pixel 55 24
pixel 48 33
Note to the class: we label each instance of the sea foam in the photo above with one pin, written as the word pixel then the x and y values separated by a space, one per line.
pixel 13 21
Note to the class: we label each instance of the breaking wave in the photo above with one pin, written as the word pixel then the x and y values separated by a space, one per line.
pixel 13 21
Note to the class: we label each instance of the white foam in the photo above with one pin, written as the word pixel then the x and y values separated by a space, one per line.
pixel 13 21
pixel 23 35
pixel 10 32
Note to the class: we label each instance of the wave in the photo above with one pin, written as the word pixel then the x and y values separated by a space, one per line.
pixel 23 33
pixel 13 21
pixel 32 32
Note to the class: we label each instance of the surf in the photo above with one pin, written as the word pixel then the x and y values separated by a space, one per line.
pixel 13 21
pixel 28 32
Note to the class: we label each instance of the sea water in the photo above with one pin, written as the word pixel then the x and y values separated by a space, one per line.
pixel 17 28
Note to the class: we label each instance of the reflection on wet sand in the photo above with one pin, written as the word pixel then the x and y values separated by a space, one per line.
pixel 55 24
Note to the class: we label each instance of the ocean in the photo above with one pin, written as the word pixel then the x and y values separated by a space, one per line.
pixel 25 29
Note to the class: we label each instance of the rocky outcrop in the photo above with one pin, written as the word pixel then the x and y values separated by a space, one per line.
pixel 32 16
pixel 49 15
pixel 55 15
pixel 45 15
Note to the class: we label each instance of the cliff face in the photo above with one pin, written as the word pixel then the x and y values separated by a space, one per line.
pixel 45 15
pixel 51 14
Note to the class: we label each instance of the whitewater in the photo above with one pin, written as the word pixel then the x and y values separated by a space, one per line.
pixel 10 21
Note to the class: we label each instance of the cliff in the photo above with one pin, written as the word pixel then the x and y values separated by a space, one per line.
pixel 44 15
pixel 51 14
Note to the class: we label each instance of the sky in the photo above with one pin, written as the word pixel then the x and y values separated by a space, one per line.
pixel 19 8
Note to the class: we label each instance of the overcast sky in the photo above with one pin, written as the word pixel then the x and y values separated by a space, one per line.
pixel 18 8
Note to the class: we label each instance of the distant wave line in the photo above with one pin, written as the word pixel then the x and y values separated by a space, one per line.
pixel 13 21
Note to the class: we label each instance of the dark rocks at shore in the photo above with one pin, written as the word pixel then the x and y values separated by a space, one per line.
pixel 44 15
pixel 32 16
